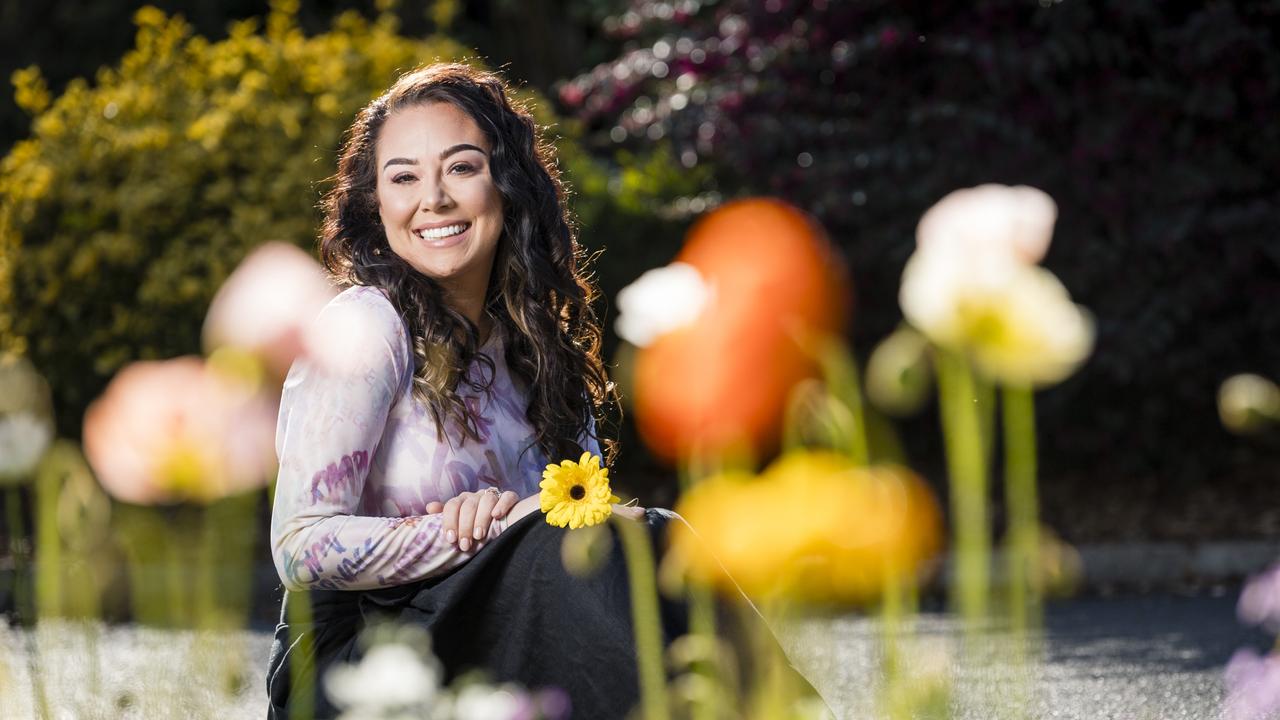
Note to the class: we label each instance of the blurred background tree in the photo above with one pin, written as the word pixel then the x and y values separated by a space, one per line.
pixel 1153 126
pixel 136 195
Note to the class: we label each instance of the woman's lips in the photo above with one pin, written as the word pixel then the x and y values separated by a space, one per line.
pixel 445 242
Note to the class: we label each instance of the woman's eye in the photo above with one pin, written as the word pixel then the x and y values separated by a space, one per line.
pixel 463 167
pixel 402 178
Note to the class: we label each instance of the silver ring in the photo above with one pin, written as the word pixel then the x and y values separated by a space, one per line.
pixel 493 491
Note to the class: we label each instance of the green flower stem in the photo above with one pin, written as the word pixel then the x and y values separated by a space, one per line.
pixel 702 611
pixel 968 476
pixel 297 611
pixel 893 602
pixel 1025 602
pixel 17 532
pixel 644 618
pixel 840 370
pixel 49 560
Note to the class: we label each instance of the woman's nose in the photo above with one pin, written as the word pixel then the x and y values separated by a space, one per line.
pixel 434 196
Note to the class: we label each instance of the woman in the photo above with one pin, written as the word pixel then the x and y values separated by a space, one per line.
pixel 461 359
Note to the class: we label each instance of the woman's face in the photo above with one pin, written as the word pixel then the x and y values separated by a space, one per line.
pixel 439 206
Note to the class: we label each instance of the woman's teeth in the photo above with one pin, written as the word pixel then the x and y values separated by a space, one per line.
pixel 436 233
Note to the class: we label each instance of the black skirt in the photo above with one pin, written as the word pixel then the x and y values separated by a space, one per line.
pixel 512 611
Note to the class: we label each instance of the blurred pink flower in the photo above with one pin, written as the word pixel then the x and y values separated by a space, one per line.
pixel 174 430
pixel 1012 221
pixel 1253 686
pixel 1260 600
pixel 267 304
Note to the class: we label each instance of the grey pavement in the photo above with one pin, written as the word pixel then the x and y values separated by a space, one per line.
pixel 1156 657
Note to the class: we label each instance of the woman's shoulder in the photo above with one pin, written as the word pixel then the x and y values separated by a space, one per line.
pixel 357 321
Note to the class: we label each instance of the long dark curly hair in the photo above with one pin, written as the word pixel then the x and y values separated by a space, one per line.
pixel 539 293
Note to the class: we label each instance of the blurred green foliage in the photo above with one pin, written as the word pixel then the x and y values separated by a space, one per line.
pixel 136 195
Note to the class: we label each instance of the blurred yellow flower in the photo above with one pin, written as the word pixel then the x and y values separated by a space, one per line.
pixel 576 494
pixel 813 527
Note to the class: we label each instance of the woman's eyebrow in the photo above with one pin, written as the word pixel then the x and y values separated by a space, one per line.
pixel 446 153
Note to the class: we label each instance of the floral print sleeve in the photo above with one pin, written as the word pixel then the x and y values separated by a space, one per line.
pixel 325 530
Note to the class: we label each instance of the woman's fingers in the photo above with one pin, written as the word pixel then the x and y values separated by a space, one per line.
pixel 466 519
pixel 434 507
pixel 450 523
pixel 505 502
pixel 484 513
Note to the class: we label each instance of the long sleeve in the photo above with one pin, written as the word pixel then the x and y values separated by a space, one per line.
pixel 333 414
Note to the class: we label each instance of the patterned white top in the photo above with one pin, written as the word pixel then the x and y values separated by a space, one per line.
pixel 360 460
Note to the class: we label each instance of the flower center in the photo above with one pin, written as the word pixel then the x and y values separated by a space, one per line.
pixel 577 492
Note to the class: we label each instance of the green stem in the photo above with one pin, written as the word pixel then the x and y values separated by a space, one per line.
pixel 49 561
pixel 21 599
pixel 1023 506
pixel 645 618
pixel 297 610
pixel 968 477
pixel 840 369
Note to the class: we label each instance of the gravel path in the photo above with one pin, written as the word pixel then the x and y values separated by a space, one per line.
pixel 1155 657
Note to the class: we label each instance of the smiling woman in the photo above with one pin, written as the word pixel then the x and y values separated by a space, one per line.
pixel 463 358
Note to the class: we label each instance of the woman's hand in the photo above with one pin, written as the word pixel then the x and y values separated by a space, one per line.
pixel 467 515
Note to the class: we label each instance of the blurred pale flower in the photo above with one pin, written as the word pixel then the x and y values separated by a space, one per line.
pixel 479 701
pixel 1253 686
pixel 267 304
pixel 898 373
pixel 168 431
pixel 814 527
pixel 1015 320
pixel 26 418
pixel 660 301
pixel 23 440
pixel 1248 403
pixel 1260 600
pixel 721 381
pixel 991 219
pixel 390 681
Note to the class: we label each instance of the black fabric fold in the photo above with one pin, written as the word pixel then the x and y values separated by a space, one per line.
pixel 512 611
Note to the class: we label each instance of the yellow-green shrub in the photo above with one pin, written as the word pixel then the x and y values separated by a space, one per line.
pixel 135 196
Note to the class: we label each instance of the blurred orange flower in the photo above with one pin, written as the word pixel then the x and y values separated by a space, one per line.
pixel 814 527
pixel 722 378
pixel 174 430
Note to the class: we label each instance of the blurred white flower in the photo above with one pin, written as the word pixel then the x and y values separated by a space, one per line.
pixel 1015 320
pixel 659 301
pixel 484 702
pixel 267 303
pixel 1247 403
pixel 1014 221
pixel 26 418
pixel 391 681
pixel 175 430
pixel 23 439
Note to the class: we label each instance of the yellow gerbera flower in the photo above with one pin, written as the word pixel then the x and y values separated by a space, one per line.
pixel 576 494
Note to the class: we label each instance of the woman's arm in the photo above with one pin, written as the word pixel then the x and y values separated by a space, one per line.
pixel 332 415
